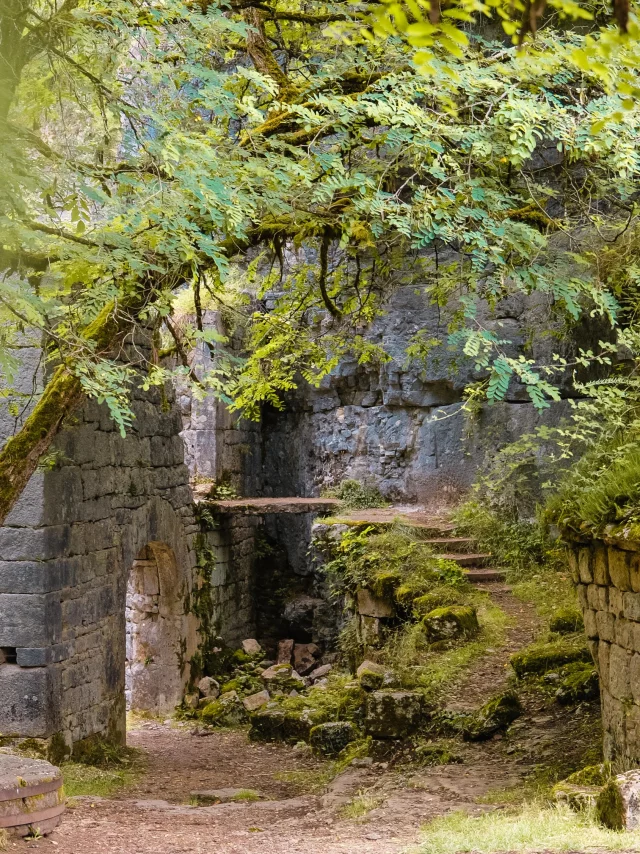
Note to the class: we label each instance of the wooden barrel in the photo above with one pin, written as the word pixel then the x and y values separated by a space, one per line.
pixel 31 795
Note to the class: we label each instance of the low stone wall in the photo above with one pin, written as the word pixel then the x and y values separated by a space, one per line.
pixel 607 575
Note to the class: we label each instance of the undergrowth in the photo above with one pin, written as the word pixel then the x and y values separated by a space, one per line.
pixel 533 827
pixel 354 495
pixel 436 671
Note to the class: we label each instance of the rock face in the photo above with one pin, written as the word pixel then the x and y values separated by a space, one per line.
pixel 256 701
pixel 369 605
pixel 305 657
pixel 618 805
pixel 209 687
pixel 394 714
pixel 251 646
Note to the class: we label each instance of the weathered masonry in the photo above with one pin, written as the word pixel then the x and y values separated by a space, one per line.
pixel 607 573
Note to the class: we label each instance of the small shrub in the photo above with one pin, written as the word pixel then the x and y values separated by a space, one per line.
pixel 354 495
pixel 365 801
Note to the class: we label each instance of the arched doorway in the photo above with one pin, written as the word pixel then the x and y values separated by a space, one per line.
pixel 154 618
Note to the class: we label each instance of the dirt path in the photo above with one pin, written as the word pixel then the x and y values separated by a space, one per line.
pixel 488 675
pixel 155 816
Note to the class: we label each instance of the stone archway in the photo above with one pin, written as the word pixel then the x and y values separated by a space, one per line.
pixel 154 620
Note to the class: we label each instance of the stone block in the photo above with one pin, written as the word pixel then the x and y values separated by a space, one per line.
pixel 624 633
pixel 600 566
pixel 393 714
pixel 632 606
pixel 29 620
pixel 634 571
pixel 28 701
pixel 572 561
pixel 27 544
pixel 618 561
pixel 634 678
pixel 582 591
pixel 616 601
pixel 370 605
pixel 606 626
pixel 597 597
pixel 590 624
pixel 31 576
pixel 619 680
pixel 604 654
pixel 584 566
pixel 618 805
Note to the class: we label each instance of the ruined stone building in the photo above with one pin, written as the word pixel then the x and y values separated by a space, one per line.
pixel 103 558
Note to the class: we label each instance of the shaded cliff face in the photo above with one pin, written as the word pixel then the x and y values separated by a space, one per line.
pixel 401 424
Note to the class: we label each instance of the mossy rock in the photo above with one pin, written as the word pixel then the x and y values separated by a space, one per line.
pixel 276 724
pixel 371 675
pixel 394 714
pixel 450 622
pixel 540 658
pixel 438 598
pixel 566 621
pixel 579 798
pixel 243 684
pixel 592 775
pixel 409 591
pixel 580 682
pixel 610 806
pixel 227 711
pixel 495 716
pixel 385 584
pixel 332 737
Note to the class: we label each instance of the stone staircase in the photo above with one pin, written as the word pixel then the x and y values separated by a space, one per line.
pixel 441 533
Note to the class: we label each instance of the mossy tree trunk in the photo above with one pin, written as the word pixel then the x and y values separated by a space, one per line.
pixel 20 456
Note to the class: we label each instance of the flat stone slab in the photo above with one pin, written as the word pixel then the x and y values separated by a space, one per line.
pixel 260 506
pixel 31 795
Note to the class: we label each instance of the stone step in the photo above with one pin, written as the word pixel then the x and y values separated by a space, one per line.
pixel 468 559
pixel 484 575
pixel 454 545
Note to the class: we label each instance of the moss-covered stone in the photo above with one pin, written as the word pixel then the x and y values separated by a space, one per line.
pixel 438 598
pixel 540 658
pixel 370 675
pixel 494 716
pixel 276 724
pixel 385 583
pixel 394 714
pixel 450 622
pixel 332 737
pixel 610 806
pixel 432 753
pixel 592 775
pixel 578 797
pixel 227 711
pixel 566 621
pixel 579 683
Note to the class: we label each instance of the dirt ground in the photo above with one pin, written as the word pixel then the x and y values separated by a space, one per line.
pixel 155 816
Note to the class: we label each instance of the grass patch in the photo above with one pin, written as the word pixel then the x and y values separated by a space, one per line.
pixel 534 827
pixel 82 780
pixel 246 796
pixel 4 840
pixel 548 591
pixel 365 801
pixel 310 780
pixel 354 495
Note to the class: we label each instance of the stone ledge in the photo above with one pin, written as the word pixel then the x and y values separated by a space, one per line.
pixel 262 506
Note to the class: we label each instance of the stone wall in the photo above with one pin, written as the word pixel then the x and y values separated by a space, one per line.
pixel 607 575
pixel 101 508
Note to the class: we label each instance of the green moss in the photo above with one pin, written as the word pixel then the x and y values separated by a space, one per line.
pixel 385 583
pixel 566 621
pixel 592 775
pixel 494 716
pixel 579 682
pixel 542 657
pixel 437 598
pixel 449 622
pixel 354 495
pixel 433 753
pixel 609 806
pixel 246 796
